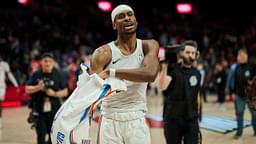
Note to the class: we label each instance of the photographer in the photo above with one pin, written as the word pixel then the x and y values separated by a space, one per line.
pixel 181 84
pixel 47 87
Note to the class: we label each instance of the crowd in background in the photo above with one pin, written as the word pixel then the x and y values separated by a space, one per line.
pixel 72 35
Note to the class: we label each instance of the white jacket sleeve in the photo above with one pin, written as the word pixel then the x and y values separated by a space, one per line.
pixel 10 75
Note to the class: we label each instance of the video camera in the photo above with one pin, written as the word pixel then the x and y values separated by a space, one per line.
pixel 170 53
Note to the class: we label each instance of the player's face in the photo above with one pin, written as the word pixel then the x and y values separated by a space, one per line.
pixel 47 64
pixel 189 55
pixel 125 22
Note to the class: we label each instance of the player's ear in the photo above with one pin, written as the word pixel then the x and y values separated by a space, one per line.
pixel 114 25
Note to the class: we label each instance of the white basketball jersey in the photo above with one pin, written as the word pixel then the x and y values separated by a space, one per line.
pixel 134 98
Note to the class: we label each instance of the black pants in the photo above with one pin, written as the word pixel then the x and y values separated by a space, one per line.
pixel 43 128
pixel 203 93
pixel 221 94
pixel 178 130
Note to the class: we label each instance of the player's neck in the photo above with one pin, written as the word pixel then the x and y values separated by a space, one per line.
pixel 124 38
pixel 126 43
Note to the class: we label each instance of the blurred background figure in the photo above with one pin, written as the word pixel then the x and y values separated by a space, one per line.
pixel 229 88
pixel 220 81
pixel 245 71
pixel 201 68
pixel 5 69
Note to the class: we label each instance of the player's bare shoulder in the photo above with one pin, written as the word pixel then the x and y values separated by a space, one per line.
pixel 103 50
pixel 150 45
pixel 102 53
pixel 101 57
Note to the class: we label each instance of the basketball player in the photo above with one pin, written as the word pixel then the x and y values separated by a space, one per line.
pixel 135 61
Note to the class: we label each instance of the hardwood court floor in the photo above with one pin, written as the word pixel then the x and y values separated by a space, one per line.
pixel 17 131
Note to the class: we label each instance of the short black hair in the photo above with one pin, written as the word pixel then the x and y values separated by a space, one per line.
pixel 48 54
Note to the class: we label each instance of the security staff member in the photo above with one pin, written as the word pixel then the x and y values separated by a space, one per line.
pixel 46 86
pixel 244 71
pixel 181 83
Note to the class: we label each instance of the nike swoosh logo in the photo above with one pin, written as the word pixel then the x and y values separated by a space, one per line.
pixel 113 62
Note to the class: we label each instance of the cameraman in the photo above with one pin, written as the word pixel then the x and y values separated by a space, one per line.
pixel 47 87
pixel 181 82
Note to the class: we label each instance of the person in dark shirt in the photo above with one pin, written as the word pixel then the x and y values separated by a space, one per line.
pixel 244 71
pixel 181 83
pixel 220 81
pixel 47 87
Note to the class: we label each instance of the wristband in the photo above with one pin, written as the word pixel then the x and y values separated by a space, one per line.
pixel 112 72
